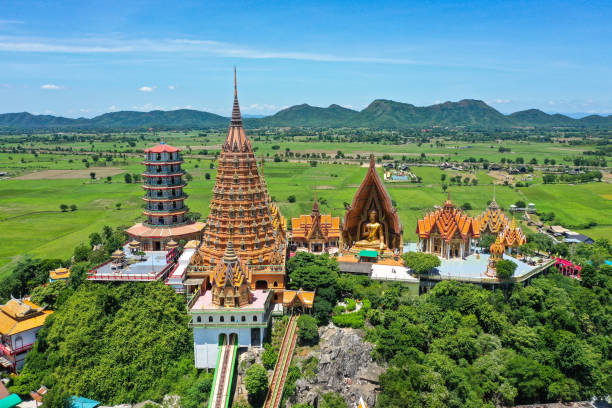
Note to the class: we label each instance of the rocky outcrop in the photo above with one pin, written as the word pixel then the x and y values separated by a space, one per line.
pixel 345 366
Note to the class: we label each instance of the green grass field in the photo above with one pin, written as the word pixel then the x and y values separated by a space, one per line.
pixel 31 222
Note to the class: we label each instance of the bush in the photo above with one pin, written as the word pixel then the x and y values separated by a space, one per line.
pixel 308 333
pixel 350 304
pixel 356 320
pixel 420 262
pixel 505 268
pixel 269 356
pixel 291 199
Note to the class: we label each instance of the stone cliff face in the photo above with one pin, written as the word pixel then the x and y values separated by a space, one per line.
pixel 344 366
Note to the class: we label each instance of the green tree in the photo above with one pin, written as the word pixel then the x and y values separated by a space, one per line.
pixel 64 207
pixel 92 175
pixel 118 206
pixel 505 269
pixel 128 178
pixel 419 262
pixel 73 207
pixel 81 253
pixel 291 199
pixel 95 239
pixel 256 382
pixel 47 295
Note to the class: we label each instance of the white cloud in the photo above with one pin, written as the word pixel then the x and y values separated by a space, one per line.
pixel 147 107
pixel 499 101
pixel 51 87
pixel 171 87
pixel 112 108
pixel 172 45
pixel 146 88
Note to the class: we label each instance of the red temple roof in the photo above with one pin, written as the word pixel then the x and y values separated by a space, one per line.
pixel 162 148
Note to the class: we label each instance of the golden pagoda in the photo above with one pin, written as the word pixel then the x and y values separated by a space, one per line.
pixel 371 224
pixel 315 232
pixel 497 251
pixel 493 220
pixel 241 211
pixel 231 281
pixel 447 232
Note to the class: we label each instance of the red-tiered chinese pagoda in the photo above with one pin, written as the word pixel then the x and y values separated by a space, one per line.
pixel 241 211
pixel 165 202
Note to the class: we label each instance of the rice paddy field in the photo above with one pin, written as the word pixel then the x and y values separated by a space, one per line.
pixel 31 222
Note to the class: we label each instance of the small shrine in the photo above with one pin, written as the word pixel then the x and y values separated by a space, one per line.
pixel 447 232
pixel 20 322
pixel 59 274
pixel 497 252
pixel 371 224
pixel 316 233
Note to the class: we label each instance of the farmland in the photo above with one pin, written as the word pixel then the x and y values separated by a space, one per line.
pixel 31 221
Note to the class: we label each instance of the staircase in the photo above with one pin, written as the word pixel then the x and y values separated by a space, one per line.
pixel 275 391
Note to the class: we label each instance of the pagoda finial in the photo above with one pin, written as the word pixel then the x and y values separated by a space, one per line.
pixel 315 205
pixel 372 161
pixel 230 253
pixel 236 116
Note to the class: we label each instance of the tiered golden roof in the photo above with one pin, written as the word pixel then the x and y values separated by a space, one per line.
pixel 231 280
pixel 448 221
pixel 497 248
pixel 301 297
pixel 493 220
pixel 512 236
pixel 324 226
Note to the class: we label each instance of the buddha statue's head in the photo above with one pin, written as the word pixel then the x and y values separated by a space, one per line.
pixel 372 215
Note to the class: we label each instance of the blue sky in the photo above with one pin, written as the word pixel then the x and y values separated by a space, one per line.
pixel 84 58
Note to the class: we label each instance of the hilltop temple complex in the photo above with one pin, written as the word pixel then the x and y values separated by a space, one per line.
pixel 241 211
pixel 448 232
pixel 512 237
pixel 316 232
pixel 371 227
pixel 165 207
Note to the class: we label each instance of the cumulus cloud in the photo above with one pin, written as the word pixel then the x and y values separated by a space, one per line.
pixel 112 108
pixel 146 88
pixel 501 100
pixel 171 87
pixel 51 87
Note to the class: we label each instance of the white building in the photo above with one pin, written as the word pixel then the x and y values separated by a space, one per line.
pixel 230 307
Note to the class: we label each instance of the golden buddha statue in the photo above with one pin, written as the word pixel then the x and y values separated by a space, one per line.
pixel 373 234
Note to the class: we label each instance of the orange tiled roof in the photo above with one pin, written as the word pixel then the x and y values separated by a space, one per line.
pixel 231 271
pixel 59 273
pixel 302 226
pixel 448 221
pixel 162 147
pixel 19 316
pixel 305 297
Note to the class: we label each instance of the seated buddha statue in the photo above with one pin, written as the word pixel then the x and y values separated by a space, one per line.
pixel 372 234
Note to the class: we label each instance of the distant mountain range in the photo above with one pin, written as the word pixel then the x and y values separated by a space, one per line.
pixel 379 114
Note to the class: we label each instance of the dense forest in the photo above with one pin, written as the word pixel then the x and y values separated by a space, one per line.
pixel 116 343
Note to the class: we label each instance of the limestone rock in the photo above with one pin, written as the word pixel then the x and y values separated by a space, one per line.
pixel 345 366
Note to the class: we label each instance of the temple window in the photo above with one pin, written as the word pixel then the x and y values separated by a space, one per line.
pixel 161 221
pixel 174 218
pixel 242 230
pixel 210 319
pixel 233 319
pixel 241 213
pixel 199 319
pixel 254 318
pixel 231 197
pixel 159 169
pixel 158 156
pixel 221 319
pixel 243 319
pixel 243 246
pixel 159 180
pixel 160 206
pixel 275 284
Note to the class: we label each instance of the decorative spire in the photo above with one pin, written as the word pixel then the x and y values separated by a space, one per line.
pixel 372 161
pixel 230 253
pixel 315 206
pixel 236 116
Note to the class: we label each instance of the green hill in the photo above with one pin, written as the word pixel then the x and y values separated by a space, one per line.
pixel 381 113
